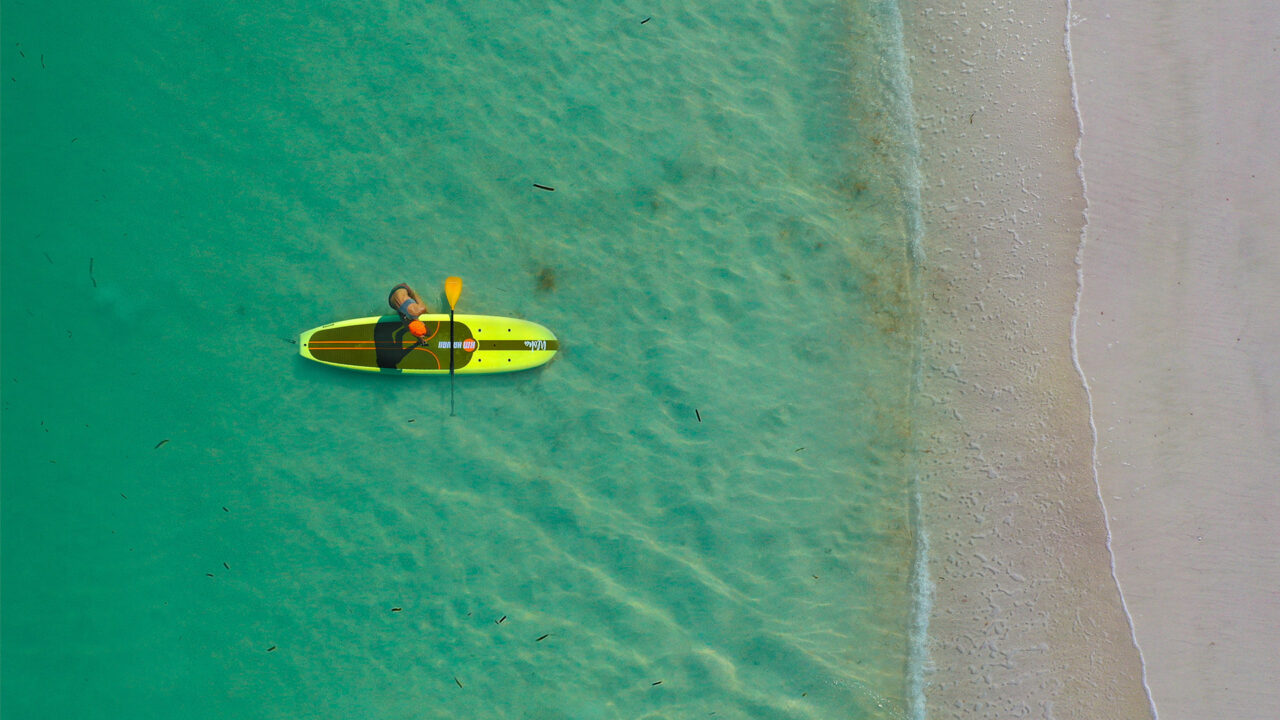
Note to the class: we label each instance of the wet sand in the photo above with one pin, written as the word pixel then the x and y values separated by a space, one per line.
pixel 1027 618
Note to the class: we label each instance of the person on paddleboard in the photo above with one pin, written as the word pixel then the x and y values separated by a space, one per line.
pixel 409 306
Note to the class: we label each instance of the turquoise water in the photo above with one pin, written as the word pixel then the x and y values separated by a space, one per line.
pixel 187 188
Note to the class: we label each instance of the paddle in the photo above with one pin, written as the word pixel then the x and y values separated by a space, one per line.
pixel 452 289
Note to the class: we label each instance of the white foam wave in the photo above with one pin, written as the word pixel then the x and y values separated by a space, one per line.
pixel 921 610
pixel 1075 353
pixel 920 583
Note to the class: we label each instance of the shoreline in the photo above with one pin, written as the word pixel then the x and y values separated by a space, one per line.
pixel 1027 618
pixel 1180 164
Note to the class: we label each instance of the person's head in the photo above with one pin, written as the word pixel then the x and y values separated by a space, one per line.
pixel 417 327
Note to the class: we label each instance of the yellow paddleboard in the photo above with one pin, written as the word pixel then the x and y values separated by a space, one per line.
pixel 481 344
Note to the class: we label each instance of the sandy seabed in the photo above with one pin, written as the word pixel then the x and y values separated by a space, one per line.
pixel 1029 619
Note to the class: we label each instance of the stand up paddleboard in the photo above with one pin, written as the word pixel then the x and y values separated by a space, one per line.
pixel 481 344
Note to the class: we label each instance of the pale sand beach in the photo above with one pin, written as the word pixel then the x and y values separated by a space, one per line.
pixel 1171 255
pixel 1179 335
pixel 1027 618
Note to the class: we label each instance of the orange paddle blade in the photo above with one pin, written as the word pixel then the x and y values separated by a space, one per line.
pixel 452 289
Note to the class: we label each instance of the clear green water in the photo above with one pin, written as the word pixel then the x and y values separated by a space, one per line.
pixel 727 237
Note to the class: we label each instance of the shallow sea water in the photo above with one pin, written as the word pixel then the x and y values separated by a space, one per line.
pixel 185 189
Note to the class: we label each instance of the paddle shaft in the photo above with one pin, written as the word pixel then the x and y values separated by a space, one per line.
pixel 452 290
pixel 450 361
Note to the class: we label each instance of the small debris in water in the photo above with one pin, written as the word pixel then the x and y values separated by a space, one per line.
pixel 455 679
pixel 271 649
pixel 695 412
pixel 160 443
pixel 544 187
pixel 547 279
pixel 544 637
